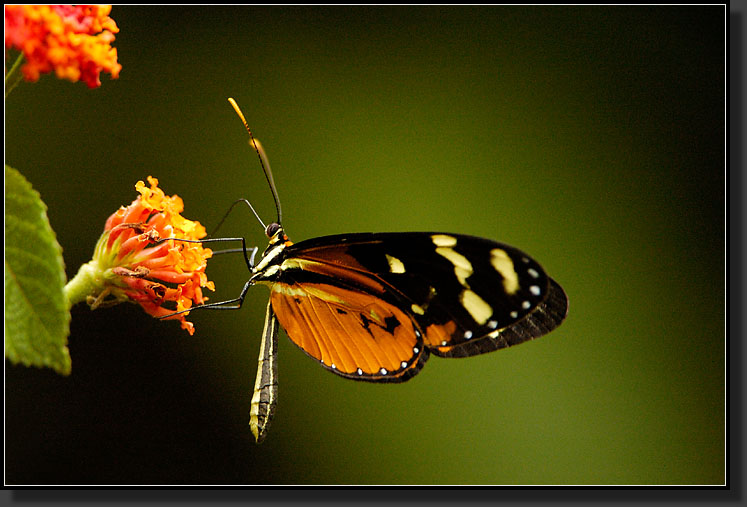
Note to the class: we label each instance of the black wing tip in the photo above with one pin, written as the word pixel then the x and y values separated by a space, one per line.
pixel 557 302
pixel 547 316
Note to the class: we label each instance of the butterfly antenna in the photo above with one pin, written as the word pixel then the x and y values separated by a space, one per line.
pixel 263 161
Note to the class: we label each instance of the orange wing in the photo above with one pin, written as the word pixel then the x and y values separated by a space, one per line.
pixel 351 332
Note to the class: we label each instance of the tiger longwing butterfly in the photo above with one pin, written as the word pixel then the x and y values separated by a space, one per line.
pixel 374 306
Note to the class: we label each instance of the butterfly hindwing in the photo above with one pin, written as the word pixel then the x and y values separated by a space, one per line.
pixel 374 301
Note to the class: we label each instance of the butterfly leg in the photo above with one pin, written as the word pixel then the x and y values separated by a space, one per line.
pixel 249 259
pixel 230 304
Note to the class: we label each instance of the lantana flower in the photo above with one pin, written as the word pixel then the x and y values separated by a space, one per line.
pixel 132 263
pixel 74 41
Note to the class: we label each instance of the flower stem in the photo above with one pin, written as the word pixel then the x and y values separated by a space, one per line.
pixel 13 77
pixel 82 285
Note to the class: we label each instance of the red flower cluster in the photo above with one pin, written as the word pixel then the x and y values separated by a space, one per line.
pixel 132 268
pixel 74 41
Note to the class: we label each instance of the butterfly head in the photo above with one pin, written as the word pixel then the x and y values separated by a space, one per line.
pixel 276 234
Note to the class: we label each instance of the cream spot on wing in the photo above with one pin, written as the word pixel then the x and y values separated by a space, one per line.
pixel 462 266
pixel 417 309
pixel 476 306
pixel 395 265
pixel 443 240
pixel 505 266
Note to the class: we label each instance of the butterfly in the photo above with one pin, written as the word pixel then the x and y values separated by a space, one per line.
pixel 375 306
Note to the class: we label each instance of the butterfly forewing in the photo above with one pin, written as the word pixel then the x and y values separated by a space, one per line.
pixel 351 332
pixel 371 306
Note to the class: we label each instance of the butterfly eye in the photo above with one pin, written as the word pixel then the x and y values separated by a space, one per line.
pixel 272 229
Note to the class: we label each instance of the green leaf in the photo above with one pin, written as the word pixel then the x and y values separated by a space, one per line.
pixel 37 317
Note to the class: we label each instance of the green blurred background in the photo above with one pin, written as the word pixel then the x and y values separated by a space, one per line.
pixel 590 137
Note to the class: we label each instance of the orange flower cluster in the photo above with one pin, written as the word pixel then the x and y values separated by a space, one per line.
pixel 136 269
pixel 74 41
